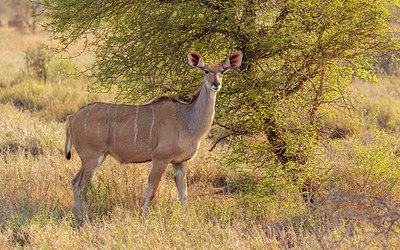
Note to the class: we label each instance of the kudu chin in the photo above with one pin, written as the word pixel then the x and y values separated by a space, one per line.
pixel 163 131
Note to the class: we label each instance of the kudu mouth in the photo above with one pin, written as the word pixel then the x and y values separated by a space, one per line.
pixel 215 86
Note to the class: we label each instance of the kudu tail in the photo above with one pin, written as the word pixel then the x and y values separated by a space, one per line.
pixel 68 141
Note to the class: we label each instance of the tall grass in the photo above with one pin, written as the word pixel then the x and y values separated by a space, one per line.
pixel 54 101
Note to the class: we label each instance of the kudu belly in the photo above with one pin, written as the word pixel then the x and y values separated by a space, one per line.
pixel 130 148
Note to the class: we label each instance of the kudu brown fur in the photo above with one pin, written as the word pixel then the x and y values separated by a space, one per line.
pixel 163 131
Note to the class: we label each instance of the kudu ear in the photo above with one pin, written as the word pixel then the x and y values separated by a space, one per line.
pixel 195 60
pixel 233 61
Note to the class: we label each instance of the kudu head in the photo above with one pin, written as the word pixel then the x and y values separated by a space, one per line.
pixel 214 71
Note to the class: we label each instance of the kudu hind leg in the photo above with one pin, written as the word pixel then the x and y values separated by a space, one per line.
pixel 79 183
pixel 76 190
pixel 156 172
pixel 179 171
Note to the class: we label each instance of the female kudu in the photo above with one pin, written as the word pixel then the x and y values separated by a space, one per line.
pixel 163 131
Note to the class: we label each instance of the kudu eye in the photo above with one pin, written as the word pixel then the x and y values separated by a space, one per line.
pixel 206 72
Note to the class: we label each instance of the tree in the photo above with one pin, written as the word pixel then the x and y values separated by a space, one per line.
pixel 22 13
pixel 299 57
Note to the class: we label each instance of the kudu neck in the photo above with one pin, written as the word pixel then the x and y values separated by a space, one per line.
pixel 201 112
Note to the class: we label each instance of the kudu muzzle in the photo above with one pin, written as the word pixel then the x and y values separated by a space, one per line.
pixel 216 85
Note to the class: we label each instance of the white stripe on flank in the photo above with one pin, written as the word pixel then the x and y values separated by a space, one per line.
pixel 135 129
pixel 108 120
pixel 152 121
pixel 85 122
pixel 86 117
pixel 115 123
pixel 124 122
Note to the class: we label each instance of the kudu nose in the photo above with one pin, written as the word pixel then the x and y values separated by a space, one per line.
pixel 215 84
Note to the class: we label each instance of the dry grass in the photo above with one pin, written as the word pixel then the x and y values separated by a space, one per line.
pixel 50 101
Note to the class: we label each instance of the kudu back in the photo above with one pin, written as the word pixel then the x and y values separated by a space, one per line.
pixel 163 131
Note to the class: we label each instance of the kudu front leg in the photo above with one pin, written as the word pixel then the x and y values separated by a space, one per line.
pixel 179 171
pixel 156 172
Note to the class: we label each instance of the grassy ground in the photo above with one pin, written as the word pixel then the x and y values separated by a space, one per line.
pixel 36 201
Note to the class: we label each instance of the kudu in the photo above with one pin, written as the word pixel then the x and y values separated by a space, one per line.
pixel 163 131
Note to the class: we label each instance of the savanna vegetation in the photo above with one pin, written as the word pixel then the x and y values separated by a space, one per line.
pixel 304 151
